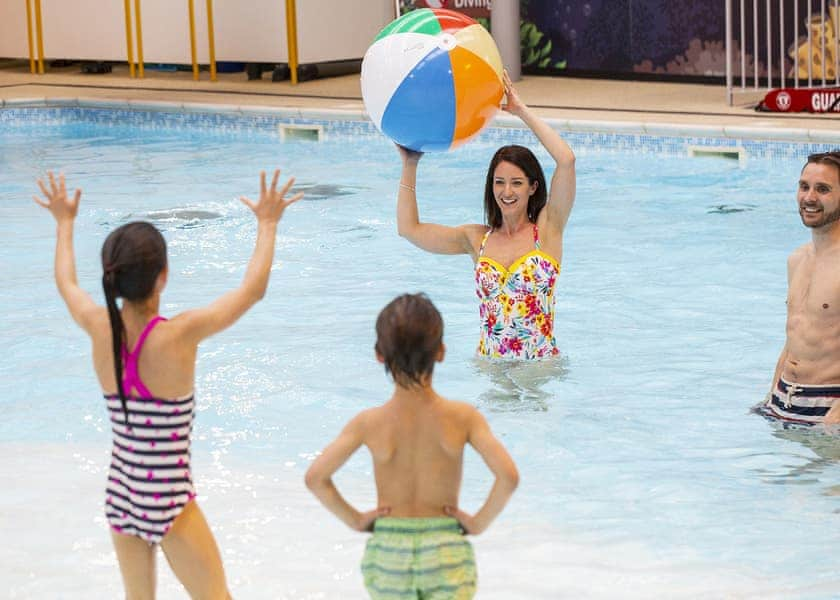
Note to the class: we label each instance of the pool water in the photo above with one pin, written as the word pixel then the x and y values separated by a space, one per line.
pixel 643 473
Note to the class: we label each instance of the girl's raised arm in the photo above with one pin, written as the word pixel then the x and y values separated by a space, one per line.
pixel 203 322
pixel 82 307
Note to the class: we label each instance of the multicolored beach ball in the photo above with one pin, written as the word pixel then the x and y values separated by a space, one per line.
pixel 432 79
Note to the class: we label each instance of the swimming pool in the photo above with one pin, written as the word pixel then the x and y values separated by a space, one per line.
pixel 643 474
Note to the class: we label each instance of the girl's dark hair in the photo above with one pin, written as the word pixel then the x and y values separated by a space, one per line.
pixel 523 158
pixel 132 258
pixel 409 333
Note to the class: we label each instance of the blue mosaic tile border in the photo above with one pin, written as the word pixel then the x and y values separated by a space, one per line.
pixel 673 145
pixel 240 123
pixel 223 123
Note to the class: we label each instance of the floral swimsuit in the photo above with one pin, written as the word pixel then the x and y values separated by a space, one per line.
pixel 517 304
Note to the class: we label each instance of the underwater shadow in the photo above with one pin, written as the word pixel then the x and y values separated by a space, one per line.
pixel 517 385
pixel 823 441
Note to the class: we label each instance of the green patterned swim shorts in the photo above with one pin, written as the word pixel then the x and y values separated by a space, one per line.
pixel 419 558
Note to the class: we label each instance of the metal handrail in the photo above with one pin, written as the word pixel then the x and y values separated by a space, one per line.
pixel 814 48
pixel 39 36
pixel 129 47
pixel 291 39
pixel 191 9
pixel 138 22
pixel 29 36
pixel 211 40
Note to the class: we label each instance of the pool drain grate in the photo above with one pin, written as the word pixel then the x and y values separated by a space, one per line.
pixel 728 152
pixel 295 131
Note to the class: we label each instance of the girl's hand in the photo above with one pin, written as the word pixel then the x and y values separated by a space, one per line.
pixel 57 202
pixel 272 203
pixel 513 104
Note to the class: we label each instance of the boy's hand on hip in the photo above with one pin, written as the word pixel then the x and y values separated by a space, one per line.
pixel 367 519
pixel 467 521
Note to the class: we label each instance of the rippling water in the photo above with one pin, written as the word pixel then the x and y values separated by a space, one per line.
pixel 643 472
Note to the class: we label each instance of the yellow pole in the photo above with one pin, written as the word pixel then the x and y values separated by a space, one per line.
pixel 29 36
pixel 128 45
pixel 39 33
pixel 139 24
pixel 212 40
pixel 291 39
pixel 192 39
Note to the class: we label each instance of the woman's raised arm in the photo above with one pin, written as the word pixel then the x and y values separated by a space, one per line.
pixel 431 237
pixel 561 192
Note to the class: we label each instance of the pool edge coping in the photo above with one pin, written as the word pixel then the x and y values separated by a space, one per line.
pixel 651 128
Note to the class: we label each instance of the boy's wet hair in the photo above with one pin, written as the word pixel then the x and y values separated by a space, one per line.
pixel 409 334
pixel 132 258
pixel 826 158
pixel 523 158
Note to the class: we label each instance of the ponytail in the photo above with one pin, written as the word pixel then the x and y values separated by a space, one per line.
pixel 109 285
pixel 133 256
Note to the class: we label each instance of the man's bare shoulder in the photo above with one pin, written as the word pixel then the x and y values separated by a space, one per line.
pixel 799 254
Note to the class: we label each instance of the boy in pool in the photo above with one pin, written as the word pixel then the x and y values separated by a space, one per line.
pixel 417 442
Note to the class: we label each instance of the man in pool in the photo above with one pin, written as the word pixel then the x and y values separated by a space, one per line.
pixel 806 383
pixel 416 440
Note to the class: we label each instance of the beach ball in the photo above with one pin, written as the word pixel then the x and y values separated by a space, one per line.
pixel 432 79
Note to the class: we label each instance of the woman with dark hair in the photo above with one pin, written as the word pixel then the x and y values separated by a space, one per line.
pixel 146 366
pixel 517 252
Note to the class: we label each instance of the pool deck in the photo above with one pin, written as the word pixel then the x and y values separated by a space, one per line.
pixel 585 103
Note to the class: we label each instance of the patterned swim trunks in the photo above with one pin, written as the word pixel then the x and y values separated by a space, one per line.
pixel 413 558
pixel 799 403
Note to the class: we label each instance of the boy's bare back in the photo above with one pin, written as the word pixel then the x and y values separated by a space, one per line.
pixel 417 438
pixel 417 443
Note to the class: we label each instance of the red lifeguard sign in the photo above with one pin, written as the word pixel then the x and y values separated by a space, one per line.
pixel 819 100
pixel 472 8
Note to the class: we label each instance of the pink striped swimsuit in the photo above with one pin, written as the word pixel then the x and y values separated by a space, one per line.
pixel 149 481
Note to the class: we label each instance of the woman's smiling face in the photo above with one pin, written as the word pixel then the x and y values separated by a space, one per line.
pixel 511 189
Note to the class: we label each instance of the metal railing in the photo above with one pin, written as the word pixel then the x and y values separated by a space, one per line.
pixel 799 41
pixel 36 39
pixel 134 42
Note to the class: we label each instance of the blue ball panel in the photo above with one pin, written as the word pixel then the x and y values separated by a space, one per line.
pixel 421 113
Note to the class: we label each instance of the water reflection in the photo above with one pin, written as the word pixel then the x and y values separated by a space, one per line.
pixel 170 219
pixel 326 191
pixel 823 441
pixel 517 385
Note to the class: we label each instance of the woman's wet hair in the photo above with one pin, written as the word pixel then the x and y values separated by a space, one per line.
pixel 409 334
pixel 132 258
pixel 523 158
pixel 826 158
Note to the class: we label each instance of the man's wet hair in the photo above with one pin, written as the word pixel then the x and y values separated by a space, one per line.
pixel 409 334
pixel 825 158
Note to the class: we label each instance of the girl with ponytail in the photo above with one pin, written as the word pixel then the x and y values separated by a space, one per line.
pixel 146 366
